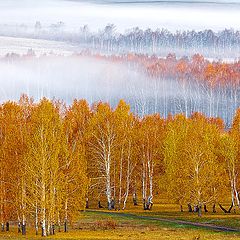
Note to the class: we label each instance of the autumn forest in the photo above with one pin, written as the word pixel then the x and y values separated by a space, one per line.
pixel 120 119
pixel 58 159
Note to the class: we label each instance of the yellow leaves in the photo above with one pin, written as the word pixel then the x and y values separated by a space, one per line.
pixel 77 118
pixel 74 160
pixel 235 130
pixel 101 122
pixel 122 108
pixel 12 148
pixel 52 155
pixel 191 157
pixel 175 164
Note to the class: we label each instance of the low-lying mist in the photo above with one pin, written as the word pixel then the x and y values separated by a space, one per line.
pixel 67 78
pixel 93 79
pixel 63 78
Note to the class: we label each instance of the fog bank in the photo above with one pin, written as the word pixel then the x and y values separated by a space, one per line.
pixel 171 15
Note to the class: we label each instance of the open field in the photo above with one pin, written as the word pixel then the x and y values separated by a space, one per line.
pixel 94 224
pixel 39 46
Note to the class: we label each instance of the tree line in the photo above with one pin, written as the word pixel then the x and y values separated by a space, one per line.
pixel 137 40
pixel 56 160
pixel 164 84
pixel 182 85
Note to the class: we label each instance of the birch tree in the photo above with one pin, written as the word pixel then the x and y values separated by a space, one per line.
pixel 176 179
pixel 102 141
pixel 74 161
pixel 150 136
pixel 125 124
pixel 44 146
pixel 201 156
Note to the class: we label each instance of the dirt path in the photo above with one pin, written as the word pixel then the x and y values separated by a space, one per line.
pixel 180 222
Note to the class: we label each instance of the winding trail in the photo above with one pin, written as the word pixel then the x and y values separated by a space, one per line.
pixel 174 221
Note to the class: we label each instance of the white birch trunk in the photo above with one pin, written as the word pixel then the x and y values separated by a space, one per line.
pixel 108 176
pixel 120 180
pixel 36 218
pixel 127 183
pixel 43 210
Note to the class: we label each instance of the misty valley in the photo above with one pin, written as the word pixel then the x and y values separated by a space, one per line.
pixel 119 119
pixel 149 84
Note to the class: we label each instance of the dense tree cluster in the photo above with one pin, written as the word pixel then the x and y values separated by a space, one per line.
pixel 42 166
pixel 195 68
pixel 159 41
pixel 55 159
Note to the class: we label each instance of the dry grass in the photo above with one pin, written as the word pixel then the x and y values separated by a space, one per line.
pixel 161 234
pixel 106 224
pixel 92 225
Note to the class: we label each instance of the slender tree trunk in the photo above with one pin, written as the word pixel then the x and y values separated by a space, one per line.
pixel 128 178
pixel 135 199
pixel 144 186
pixel 43 210
pixel 205 208
pixel 236 192
pixel 2 210
pixel 181 208
pixel 108 181
pixel 65 226
pixel 52 206
pixel 7 226
pixel 24 208
pixel 66 215
pixel 200 210
pixel 36 219
pixel 1 199
pixel 120 180
pixel 19 226
pixel 232 196
pixel 214 208
pixel 127 190
pixel 23 226
pixel 150 166
pixel 189 208
pixel 44 232
pixel 53 229
pixel 114 185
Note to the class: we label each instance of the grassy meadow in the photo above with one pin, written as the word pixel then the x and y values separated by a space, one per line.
pixel 101 224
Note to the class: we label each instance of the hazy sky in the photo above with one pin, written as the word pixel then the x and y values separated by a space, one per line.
pixel 163 15
pixel 147 1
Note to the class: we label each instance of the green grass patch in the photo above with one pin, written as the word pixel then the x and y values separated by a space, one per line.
pixel 103 224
